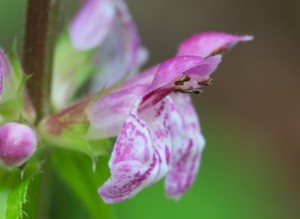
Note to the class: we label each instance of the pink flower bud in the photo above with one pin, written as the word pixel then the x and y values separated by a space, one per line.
pixel 17 144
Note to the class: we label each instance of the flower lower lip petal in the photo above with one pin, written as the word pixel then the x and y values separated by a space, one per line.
pixel 187 146
pixel 140 155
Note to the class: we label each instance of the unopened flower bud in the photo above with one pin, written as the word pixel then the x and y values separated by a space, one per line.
pixel 17 144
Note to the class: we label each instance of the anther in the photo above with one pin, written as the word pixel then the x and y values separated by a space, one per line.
pixel 206 82
pixel 197 91
pixel 178 90
pixel 219 50
pixel 190 90
pixel 182 80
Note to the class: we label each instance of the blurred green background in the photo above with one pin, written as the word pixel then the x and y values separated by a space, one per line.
pixel 250 116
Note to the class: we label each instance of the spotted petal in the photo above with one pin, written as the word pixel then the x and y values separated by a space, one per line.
pixel 141 153
pixel 188 144
pixel 210 43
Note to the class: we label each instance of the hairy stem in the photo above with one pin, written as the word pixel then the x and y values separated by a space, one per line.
pixel 37 59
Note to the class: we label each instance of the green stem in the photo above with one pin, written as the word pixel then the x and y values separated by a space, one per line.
pixel 44 195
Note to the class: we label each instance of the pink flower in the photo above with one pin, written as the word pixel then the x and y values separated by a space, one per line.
pixel 108 26
pixel 84 29
pixel 157 127
pixel 102 41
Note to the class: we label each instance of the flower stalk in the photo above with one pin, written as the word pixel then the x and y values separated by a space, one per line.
pixel 40 32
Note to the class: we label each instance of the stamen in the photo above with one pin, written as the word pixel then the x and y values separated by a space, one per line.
pixel 208 82
pixel 219 50
pixel 189 91
pixel 185 85
pixel 182 80
pixel 197 91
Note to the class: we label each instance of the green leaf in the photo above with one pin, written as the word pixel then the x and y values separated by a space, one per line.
pixel 15 61
pixel 14 103
pixel 13 191
pixel 76 171
pixel 16 77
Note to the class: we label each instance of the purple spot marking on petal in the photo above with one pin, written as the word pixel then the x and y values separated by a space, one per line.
pixel 146 154
pixel 180 167
pixel 124 152
pixel 192 175
pixel 168 154
pixel 113 193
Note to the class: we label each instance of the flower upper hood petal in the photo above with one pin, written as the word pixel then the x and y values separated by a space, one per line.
pixel 169 74
pixel 210 43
